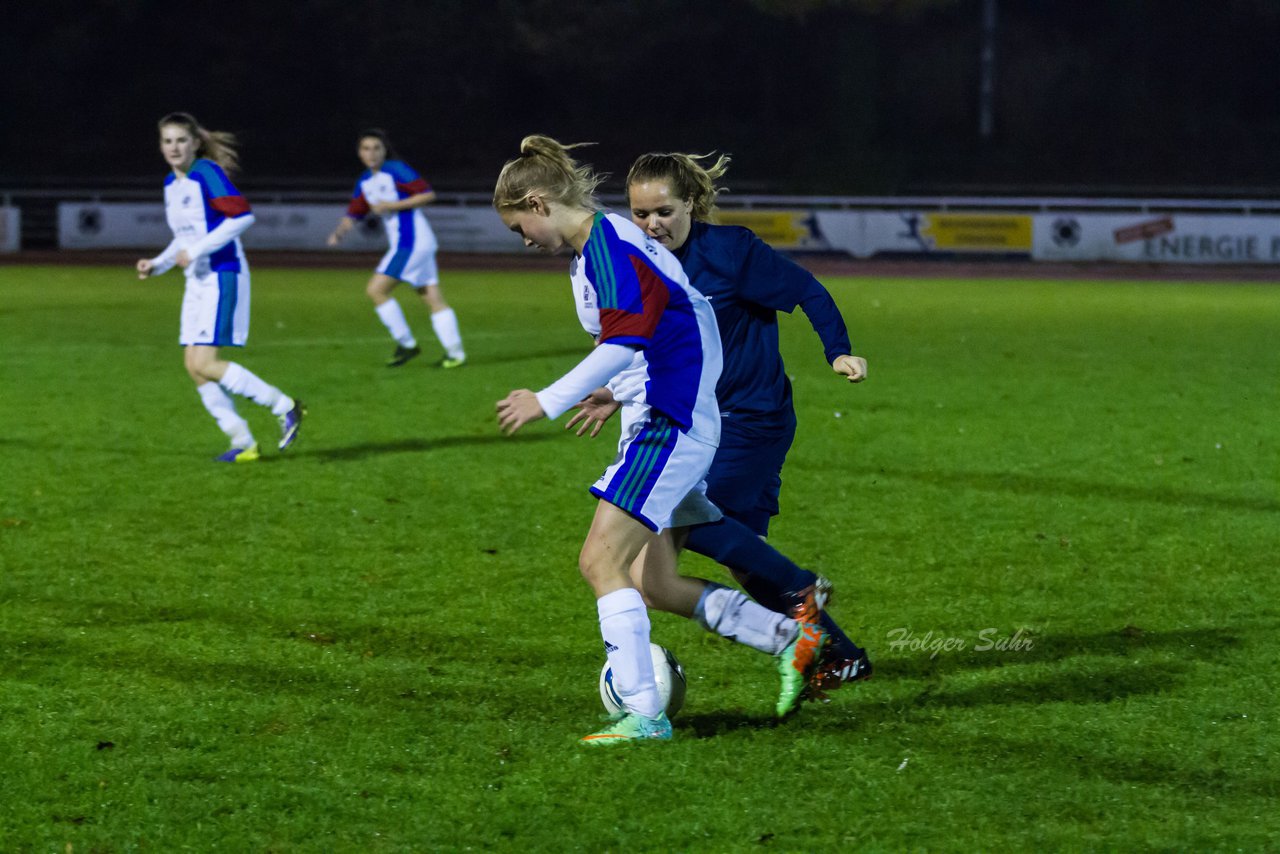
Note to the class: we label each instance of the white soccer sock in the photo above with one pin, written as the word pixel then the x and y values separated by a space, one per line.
pixel 624 625
pixel 242 381
pixel 445 324
pixel 223 410
pixel 730 614
pixel 392 317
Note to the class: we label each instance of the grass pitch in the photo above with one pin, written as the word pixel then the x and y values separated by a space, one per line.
pixel 1051 513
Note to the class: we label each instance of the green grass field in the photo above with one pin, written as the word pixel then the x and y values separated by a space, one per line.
pixel 1052 514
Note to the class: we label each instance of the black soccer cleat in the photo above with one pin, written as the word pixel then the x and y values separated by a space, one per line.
pixel 402 355
pixel 833 671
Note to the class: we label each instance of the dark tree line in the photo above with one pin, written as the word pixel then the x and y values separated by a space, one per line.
pixel 815 96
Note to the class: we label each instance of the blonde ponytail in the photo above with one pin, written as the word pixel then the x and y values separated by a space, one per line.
pixel 544 168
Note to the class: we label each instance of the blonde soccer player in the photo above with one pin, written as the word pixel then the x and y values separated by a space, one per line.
pixel 207 215
pixel 390 189
pixel 654 332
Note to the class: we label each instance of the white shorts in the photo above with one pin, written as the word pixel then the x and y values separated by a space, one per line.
pixel 659 475
pixel 416 266
pixel 215 310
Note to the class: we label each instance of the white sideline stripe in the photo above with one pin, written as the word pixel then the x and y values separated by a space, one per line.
pixel 426 337
pixel 255 345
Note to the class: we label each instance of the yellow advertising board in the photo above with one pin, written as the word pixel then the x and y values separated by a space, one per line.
pixel 780 229
pixel 977 232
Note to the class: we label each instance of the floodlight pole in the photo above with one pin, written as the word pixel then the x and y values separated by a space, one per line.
pixel 987 72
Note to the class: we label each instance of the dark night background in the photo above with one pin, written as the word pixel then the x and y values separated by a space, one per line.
pixel 855 97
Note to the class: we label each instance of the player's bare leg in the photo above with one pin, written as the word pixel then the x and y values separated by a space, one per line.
pixel 215 378
pixel 615 540
pixel 379 289
pixel 445 324
pixel 732 614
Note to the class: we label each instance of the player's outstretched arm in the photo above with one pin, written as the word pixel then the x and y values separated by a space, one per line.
pixel 852 367
pixel 340 230
pixel 593 410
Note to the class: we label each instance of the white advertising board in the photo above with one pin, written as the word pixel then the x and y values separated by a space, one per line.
pixel 10 229
pixel 120 225
pixel 112 225
pixel 1180 238
pixel 1157 238
pixel 1174 238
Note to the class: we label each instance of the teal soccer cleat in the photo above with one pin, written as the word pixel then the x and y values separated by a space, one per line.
pixel 630 728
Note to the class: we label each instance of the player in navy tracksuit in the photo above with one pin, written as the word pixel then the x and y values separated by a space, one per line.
pixel 748 283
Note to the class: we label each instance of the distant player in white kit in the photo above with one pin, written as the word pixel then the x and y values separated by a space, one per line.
pixel 207 215
pixel 635 297
pixel 392 190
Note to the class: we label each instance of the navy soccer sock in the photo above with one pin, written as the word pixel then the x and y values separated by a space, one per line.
pixel 763 571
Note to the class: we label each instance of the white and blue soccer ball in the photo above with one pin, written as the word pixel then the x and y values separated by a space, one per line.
pixel 668 672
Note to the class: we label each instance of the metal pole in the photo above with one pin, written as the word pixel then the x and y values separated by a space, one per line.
pixel 987 72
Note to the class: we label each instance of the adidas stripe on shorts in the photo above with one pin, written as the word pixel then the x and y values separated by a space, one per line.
pixel 659 475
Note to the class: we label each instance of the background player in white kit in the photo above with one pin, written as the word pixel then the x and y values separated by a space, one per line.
pixel 392 190
pixel 207 215
pixel 639 296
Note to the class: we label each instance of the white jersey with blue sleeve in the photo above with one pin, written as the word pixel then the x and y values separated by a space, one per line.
pixel 656 331
pixel 394 181
pixel 207 215
pixel 632 294
pixel 411 250
pixel 630 290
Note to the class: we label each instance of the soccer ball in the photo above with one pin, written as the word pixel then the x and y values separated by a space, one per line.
pixel 668 672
